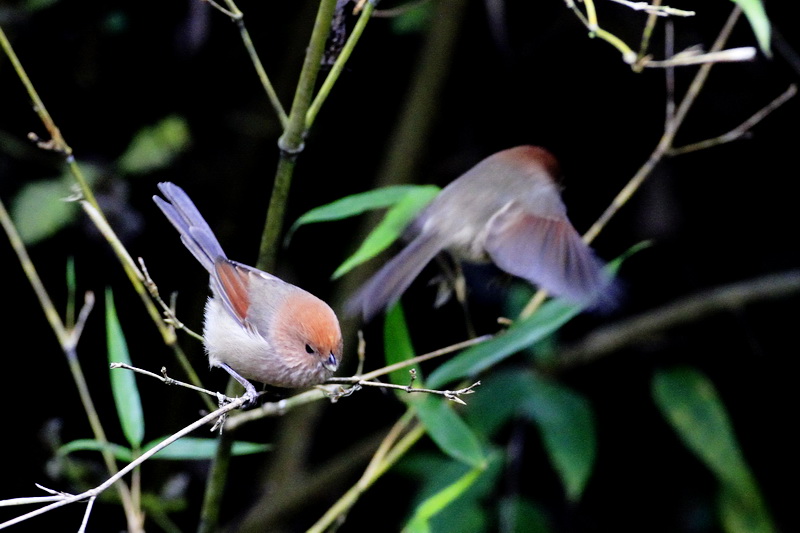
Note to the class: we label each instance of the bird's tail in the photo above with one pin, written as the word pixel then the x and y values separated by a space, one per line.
pixel 388 284
pixel 196 235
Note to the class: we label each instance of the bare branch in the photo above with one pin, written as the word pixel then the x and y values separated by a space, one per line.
pixel 660 11
pixel 94 492
pixel 743 128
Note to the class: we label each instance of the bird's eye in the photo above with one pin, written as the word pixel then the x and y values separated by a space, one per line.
pixel 309 349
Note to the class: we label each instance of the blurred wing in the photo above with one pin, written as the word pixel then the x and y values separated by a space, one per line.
pixel 548 252
pixel 390 282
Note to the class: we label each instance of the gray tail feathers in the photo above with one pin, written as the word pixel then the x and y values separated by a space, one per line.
pixel 390 282
pixel 196 235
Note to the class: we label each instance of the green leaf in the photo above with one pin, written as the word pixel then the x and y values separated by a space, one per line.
pixel 390 228
pixel 448 430
pixel 434 504
pixel 564 419
pixel 549 318
pixel 397 346
pixel 42 208
pixel 187 448
pixel 356 204
pixel 523 333
pixel 566 422
pixel 743 512
pixel 121 453
pixel 191 448
pixel 433 472
pixel 757 17
pixel 123 382
pixel 689 401
pixel 39 210
pixel 414 20
pixel 484 413
pixel 156 146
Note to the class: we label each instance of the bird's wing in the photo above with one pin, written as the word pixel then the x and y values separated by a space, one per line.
pixel 546 251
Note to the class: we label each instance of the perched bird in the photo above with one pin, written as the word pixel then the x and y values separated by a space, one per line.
pixel 507 209
pixel 256 325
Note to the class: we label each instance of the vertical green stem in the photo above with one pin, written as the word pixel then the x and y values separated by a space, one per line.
pixel 290 145
pixel 209 514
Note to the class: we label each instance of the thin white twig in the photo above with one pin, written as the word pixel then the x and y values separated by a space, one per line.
pixel 452 395
pixel 86 514
pixel 93 493
pixel 164 378
pixel 694 57
pixel 661 11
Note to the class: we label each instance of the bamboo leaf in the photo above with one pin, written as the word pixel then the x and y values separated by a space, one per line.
pixel 390 228
pixel 155 146
pixel 123 382
pixel 121 453
pixel 757 17
pixel 397 345
pixel 355 204
pixel 689 401
pixel 566 423
pixel 471 362
pixel 192 448
pixel 434 504
pixel 448 430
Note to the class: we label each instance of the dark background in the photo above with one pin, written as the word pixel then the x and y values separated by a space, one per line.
pixel 724 215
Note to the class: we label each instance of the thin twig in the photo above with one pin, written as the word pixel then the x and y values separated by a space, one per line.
pixel 687 310
pixel 166 380
pixel 373 472
pixel 31 500
pixel 86 514
pixel 452 395
pixel 96 491
pixel 665 143
pixel 659 152
pixel 238 17
pixel 129 266
pixel 669 74
pixel 648 32
pixel 333 390
pixel 338 65
pixel 68 340
pixel 281 407
pixel 742 129
pixel 694 57
pixel 170 316
pixel 414 360
pixel 655 9
pixel 291 142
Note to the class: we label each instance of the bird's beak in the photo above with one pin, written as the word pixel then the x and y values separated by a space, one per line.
pixel 331 363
